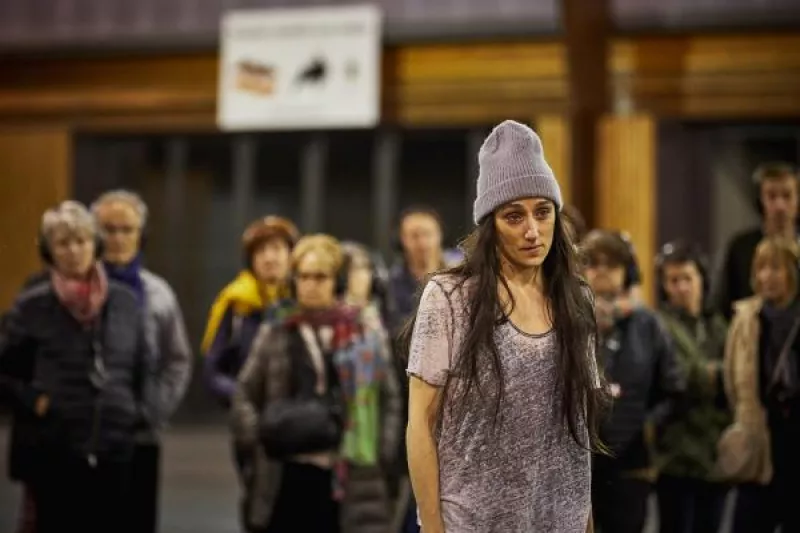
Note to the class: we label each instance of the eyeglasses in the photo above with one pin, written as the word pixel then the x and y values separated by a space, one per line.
pixel 318 277
pixel 112 229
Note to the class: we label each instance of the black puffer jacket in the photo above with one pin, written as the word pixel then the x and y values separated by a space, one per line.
pixel 637 356
pixel 44 350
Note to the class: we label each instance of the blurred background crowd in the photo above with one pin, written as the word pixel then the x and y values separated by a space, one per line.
pixel 672 128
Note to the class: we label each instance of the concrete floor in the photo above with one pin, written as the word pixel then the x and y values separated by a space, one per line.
pixel 199 492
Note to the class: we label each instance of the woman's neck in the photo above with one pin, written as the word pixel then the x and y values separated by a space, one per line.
pixel 693 310
pixel 85 277
pixel 522 277
pixel 316 310
pixel 272 282
pixel 356 300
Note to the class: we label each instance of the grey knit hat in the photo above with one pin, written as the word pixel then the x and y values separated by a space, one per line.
pixel 512 166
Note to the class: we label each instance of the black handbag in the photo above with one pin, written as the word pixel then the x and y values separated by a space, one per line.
pixel 296 426
pixel 305 422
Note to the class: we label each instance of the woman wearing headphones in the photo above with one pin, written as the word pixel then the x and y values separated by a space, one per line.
pixel 72 362
pixel 296 408
pixel 645 382
pixel 691 497
pixel 375 405
pixel 762 381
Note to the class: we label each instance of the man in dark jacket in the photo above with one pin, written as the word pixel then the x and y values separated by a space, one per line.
pixel 645 382
pixel 420 233
pixel 777 185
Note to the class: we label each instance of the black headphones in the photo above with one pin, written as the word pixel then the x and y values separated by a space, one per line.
pixel 680 251
pixel 340 289
pixel 631 262
pixel 378 270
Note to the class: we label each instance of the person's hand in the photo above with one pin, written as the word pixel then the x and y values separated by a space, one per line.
pixel 42 405
pixel 614 390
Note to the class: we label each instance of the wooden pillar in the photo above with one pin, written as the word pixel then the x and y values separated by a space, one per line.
pixel 626 185
pixel 35 174
pixel 385 193
pixel 587 26
pixel 555 135
pixel 313 178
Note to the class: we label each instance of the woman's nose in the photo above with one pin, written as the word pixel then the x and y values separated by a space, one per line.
pixel 533 231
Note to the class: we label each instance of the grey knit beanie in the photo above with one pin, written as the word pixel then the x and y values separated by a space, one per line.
pixel 512 166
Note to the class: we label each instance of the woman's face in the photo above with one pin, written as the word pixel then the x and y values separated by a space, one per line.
pixel 271 261
pixel 525 231
pixel 683 285
pixel 772 278
pixel 72 250
pixel 605 277
pixel 359 279
pixel 315 282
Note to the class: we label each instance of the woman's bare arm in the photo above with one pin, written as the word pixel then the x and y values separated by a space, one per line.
pixel 423 459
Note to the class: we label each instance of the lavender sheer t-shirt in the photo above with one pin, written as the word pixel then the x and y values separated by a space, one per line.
pixel 527 474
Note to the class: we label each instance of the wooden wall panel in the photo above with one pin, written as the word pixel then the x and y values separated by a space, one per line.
pixel 554 132
pixel 473 84
pixel 710 77
pixel 688 76
pixel 35 165
pixel 626 188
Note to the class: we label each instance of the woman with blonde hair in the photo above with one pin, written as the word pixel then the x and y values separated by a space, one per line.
pixel 759 450
pixel 291 405
pixel 72 362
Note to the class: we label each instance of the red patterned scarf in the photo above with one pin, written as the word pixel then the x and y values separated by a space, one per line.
pixel 83 298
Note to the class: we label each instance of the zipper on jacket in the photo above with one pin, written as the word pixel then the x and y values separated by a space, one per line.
pixel 91 456
pixel 99 378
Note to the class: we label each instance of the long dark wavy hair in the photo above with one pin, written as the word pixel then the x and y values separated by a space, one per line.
pixel 571 311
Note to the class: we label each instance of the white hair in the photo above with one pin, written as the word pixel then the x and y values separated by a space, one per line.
pixel 70 215
pixel 124 196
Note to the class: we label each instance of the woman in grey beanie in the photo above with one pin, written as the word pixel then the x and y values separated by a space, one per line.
pixel 504 389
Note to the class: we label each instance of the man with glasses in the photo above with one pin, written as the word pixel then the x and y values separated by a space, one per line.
pixel 122 217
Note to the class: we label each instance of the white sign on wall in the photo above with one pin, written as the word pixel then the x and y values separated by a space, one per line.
pixel 309 68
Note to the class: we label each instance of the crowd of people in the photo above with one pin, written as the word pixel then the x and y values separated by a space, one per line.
pixel 521 384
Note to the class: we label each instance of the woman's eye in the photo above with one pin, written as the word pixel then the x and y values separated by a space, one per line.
pixel 513 218
pixel 543 213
